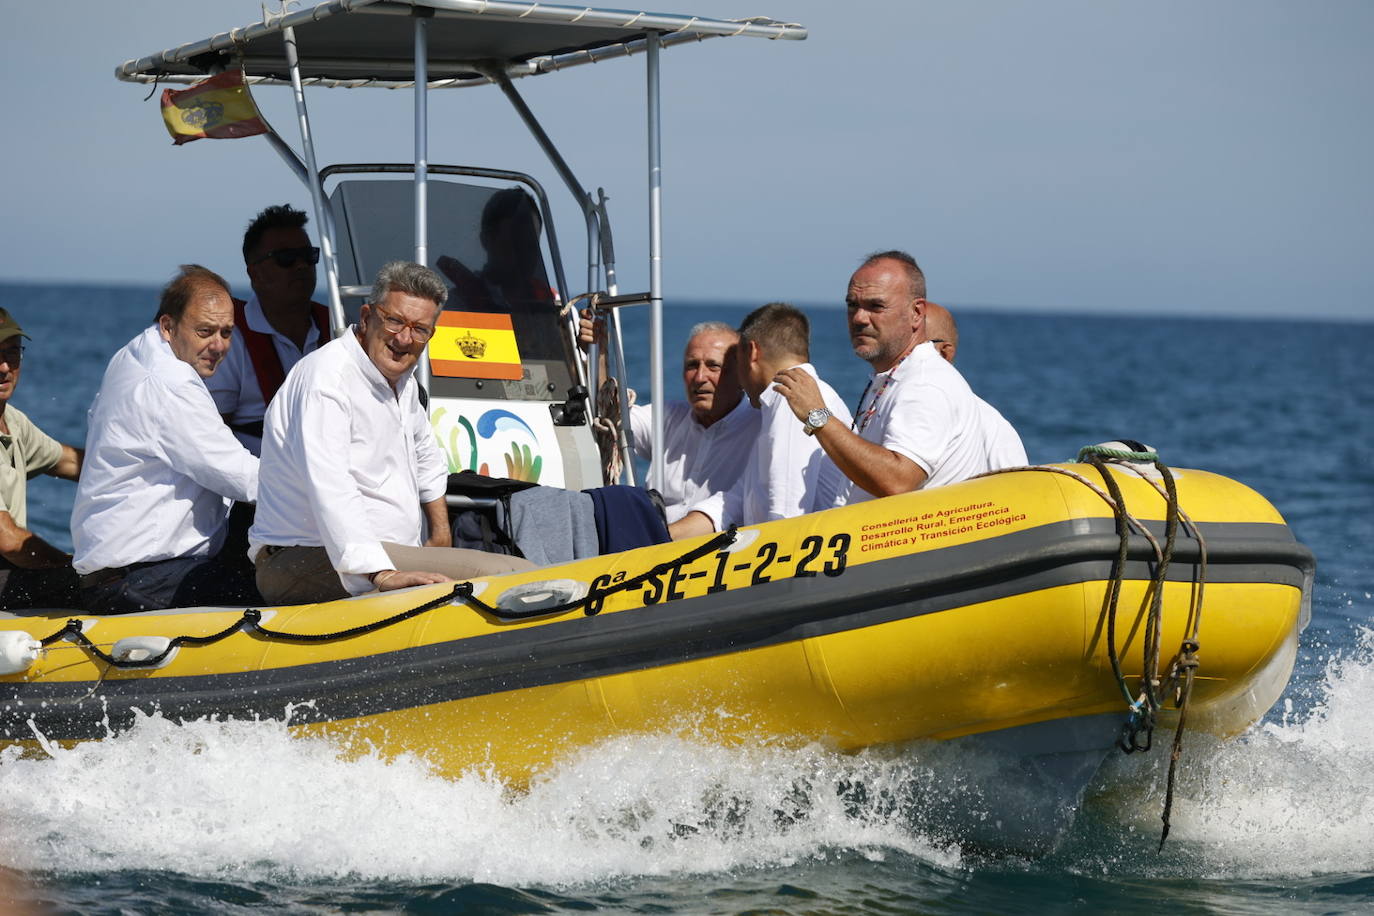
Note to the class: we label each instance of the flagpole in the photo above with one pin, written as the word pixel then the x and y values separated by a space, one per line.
pixel 655 132
pixel 331 264
pixel 422 373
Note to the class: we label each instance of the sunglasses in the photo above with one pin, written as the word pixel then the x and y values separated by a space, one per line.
pixel 285 257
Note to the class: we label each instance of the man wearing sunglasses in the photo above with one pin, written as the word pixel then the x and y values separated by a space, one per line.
pixel 33 573
pixel 277 326
pixel 353 486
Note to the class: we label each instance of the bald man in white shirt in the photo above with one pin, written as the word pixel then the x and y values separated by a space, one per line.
pixel 1004 447
pixel 917 424
pixel 353 484
pixel 161 467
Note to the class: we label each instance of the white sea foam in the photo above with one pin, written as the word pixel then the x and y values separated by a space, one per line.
pixel 1292 798
pixel 246 800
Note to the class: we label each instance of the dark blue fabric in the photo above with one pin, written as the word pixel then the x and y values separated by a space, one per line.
pixel 183 582
pixel 626 518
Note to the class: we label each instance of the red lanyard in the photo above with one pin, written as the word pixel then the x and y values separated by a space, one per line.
pixel 861 423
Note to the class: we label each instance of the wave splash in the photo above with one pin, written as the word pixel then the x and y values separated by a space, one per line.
pixel 1291 798
pixel 245 799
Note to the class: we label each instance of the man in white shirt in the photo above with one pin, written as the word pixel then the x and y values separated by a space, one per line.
pixel 33 573
pixel 1005 449
pixel 351 474
pixel 782 470
pixel 277 326
pixel 161 467
pixel 704 436
pixel 917 424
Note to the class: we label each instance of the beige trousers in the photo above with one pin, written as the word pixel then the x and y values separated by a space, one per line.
pixel 304 575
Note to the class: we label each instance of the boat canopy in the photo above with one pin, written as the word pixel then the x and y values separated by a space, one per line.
pixel 355 43
pixel 433 44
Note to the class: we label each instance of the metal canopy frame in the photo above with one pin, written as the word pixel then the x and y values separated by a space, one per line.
pixel 458 44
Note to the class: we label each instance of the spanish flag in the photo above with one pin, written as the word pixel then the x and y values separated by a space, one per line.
pixel 474 345
pixel 219 107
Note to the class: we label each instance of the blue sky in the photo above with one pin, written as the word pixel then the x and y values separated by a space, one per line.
pixel 1166 157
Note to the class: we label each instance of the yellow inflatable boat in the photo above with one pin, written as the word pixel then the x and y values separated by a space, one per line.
pixel 1049 612
pixel 983 608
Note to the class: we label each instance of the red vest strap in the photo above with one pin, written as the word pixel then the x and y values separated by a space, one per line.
pixel 262 352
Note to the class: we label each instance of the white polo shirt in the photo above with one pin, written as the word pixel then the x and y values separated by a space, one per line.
pixel 923 409
pixel 160 467
pixel 1004 443
pixel 346 463
pixel 698 461
pixel 782 471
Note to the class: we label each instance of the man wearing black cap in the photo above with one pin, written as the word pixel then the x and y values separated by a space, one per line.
pixel 33 573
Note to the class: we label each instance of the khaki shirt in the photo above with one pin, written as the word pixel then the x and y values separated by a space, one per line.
pixel 24 453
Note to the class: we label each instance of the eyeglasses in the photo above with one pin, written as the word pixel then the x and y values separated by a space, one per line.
pixel 394 326
pixel 12 355
pixel 285 257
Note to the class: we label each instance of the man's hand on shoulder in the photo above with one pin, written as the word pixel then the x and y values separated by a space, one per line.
pixel 802 393
pixel 389 579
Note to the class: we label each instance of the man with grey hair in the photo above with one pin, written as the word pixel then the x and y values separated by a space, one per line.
pixel 707 435
pixel 784 469
pixel 352 484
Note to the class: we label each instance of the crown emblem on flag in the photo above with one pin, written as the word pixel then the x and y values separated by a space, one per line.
pixel 473 347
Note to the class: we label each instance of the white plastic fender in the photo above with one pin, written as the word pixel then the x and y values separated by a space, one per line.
pixel 535 596
pixel 141 648
pixel 18 651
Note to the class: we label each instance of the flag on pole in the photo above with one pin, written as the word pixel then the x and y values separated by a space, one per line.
pixel 474 345
pixel 219 107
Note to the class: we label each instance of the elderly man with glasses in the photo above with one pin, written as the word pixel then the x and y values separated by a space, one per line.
pixel 352 487
pixel 33 573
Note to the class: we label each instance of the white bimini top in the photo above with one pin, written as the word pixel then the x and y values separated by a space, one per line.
pixel 160 466
pixel 346 463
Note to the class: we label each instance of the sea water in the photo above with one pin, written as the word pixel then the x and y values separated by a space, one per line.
pixel 240 817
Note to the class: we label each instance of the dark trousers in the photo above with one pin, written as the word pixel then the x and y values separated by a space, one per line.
pixel 183 582
pixel 45 588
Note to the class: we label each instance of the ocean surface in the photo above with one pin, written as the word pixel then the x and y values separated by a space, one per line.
pixel 239 818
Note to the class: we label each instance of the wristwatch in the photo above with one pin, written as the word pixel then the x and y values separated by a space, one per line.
pixel 815 419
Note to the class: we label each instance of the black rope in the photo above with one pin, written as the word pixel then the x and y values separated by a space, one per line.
pixel 250 621
pixel 1185 663
pixel 1183 668
pixel 591 602
pixel 1141 718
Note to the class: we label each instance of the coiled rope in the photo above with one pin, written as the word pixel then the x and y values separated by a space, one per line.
pixel 1143 708
pixel 250 621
